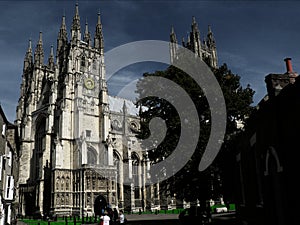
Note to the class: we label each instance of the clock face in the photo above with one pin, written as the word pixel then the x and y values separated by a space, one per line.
pixel 89 83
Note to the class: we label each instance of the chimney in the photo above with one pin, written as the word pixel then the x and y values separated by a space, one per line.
pixel 276 82
pixel 288 63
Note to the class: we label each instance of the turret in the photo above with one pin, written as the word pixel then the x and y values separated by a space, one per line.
pixel 125 114
pixel 188 42
pixel 211 44
pixel 87 35
pixel 98 39
pixel 28 57
pixel 75 30
pixel 210 40
pixel 51 59
pixel 173 36
pixel 183 42
pixel 195 39
pixel 39 52
pixel 173 45
pixel 62 38
pixel 26 77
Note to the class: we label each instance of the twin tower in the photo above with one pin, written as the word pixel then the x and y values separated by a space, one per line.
pixel 78 144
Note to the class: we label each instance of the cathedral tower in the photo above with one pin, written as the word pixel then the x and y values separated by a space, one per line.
pixel 206 49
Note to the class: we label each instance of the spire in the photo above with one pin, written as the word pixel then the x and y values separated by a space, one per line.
pixel 188 40
pixel 173 45
pixel 194 25
pixel 63 29
pixel 75 30
pixel 195 38
pixel 51 59
pixel 51 51
pixel 210 38
pixel 87 35
pixel 194 20
pixel 30 46
pixel 173 36
pixel 39 52
pixel 76 19
pixel 211 44
pixel 124 108
pixel 28 56
pixel 125 127
pixel 98 39
pixel 209 30
pixel 183 42
pixel 62 38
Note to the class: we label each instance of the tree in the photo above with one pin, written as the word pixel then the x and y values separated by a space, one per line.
pixel 189 183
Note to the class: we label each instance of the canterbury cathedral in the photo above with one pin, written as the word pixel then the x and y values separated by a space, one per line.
pixel 78 143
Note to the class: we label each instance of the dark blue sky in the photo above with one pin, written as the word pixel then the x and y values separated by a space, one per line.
pixel 252 37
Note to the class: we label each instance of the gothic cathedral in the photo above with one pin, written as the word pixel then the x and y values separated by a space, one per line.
pixel 78 144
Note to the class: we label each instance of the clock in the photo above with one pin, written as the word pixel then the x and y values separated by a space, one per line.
pixel 89 83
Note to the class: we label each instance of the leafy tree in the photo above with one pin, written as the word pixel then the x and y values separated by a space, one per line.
pixel 189 183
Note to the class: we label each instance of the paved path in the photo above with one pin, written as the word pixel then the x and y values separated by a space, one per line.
pixel 134 217
pixel 21 223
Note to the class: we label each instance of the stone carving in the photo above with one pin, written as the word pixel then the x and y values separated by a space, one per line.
pixel 116 125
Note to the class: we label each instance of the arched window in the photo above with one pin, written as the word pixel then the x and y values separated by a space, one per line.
pixel 57 199
pixel 94 64
pixel 67 183
pixel 39 147
pixel 118 179
pixel 82 61
pixel 135 175
pixel 91 156
pixel 62 182
pixel 57 183
pixel 82 64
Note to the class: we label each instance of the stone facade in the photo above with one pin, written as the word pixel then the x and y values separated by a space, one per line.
pixel 77 143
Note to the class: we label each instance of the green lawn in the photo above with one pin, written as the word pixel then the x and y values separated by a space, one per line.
pixel 61 221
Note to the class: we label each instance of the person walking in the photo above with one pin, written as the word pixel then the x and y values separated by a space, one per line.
pixel 105 218
pixel 122 218
pixel 115 216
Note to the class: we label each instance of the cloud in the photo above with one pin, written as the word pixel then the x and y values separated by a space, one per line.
pixel 253 38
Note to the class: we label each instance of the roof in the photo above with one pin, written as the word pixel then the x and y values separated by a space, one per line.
pixel 116 105
pixel 4 117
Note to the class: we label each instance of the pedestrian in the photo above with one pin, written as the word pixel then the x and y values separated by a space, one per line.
pixel 122 218
pixel 105 218
pixel 110 213
pixel 115 216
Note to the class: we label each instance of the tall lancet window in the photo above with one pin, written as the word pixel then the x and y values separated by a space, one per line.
pixel 94 65
pixel 118 178
pixel 91 156
pixel 39 148
pixel 135 175
pixel 82 64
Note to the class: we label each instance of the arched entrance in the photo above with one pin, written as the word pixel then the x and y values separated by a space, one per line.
pixel 100 205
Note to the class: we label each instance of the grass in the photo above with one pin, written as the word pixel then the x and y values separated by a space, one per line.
pixel 62 221
pixel 231 207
